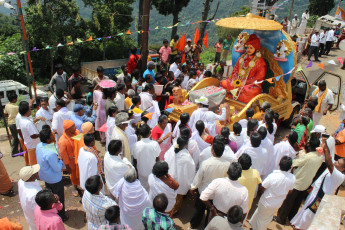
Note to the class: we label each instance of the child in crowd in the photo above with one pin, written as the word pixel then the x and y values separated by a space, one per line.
pixel 218 47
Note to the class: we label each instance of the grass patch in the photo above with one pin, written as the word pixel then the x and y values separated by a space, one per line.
pixel 207 56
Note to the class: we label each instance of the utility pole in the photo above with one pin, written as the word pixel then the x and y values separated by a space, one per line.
pixel 145 33
pixel 291 8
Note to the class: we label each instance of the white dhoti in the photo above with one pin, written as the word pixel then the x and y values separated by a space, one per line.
pixel 144 182
pixel 262 217
pixel 304 217
pixel 301 28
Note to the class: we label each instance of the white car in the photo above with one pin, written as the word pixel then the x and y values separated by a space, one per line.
pixel 21 90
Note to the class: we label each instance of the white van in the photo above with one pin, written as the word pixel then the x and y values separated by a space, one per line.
pixel 21 90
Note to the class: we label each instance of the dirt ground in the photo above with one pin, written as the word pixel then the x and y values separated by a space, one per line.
pixel 10 207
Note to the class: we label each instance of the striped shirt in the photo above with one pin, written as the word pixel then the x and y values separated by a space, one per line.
pixel 95 206
pixel 157 220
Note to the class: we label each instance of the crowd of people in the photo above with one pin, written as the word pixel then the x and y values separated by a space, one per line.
pixel 149 165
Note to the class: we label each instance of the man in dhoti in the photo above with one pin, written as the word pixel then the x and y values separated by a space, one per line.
pixel 121 123
pixel 325 101
pixel 294 26
pixel 303 26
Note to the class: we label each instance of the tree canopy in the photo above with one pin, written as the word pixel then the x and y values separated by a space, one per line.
pixel 320 7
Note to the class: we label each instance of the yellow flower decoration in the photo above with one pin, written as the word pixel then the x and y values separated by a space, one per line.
pixel 251 64
pixel 238 83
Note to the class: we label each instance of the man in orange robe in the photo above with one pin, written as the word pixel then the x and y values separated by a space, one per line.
pixel 66 150
pixel 249 68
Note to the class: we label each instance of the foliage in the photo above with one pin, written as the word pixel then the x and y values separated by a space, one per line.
pixel 12 66
pixel 312 20
pixel 320 7
pixel 8 26
pixel 207 55
pixel 244 10
pixel 174 7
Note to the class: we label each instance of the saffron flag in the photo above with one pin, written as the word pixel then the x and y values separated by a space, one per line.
pixel 196 35
pixel 129 32
pixel 181 43
pixel 89 39
pixel 205 39
pixel 340 13
pixel 321 65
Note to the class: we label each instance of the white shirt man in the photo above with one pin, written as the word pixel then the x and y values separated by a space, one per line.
pixel 218 191
pixel 114 169
pixel 146 100
pixel 145 152
pixel 323 37
pixel 109 132
pixel 268 146
pixel 328 100
pixel 47 114
pixel 58 118
pixel 28 129
pixel 294 26
pixel 200 113
pixel 228 155
pixel 27 194
pixel 174 68
pixel 120 101
pixel 87 162
pixel 315 40
pixel 211 119
pixel 237 138
pixel 301 28
pixel 281 149
pixel 131 136
pixel 330 36
pixel 277 185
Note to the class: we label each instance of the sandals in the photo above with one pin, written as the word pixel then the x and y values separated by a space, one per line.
pixel 9 193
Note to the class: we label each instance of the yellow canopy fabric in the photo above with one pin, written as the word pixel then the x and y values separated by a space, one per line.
pixel 249 22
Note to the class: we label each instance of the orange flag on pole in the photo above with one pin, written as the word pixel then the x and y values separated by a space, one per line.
pixel 196 35
pixel 89 39
pixel 129 32
pixel 205 40
pixel 181 43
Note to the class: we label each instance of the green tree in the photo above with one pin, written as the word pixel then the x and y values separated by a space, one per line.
pixel 174 7
pixel 244 11
pixel 320 7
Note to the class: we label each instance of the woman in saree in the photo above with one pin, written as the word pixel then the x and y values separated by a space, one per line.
pixel 162 133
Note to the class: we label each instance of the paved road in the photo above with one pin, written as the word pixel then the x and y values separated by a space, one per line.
pixel 10 207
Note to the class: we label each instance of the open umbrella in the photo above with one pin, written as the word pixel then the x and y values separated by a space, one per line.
pixel 107 84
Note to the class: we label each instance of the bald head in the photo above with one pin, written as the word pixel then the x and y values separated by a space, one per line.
pixel 160 202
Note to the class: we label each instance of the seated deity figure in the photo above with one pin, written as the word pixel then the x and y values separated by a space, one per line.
pixel 249 70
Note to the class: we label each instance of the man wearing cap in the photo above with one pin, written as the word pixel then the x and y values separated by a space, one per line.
pixel 28 187
pixel 79 117
pixel 314 46
pixel 188 49
pixel 66 150
pixel 150 70
pixel 294 26
pixel 325 101
pixel 200 113
pixel 50 166
pixel 121 123
pixel 59 79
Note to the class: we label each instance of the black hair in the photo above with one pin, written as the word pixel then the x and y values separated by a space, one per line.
pixel 60 102
pixel 88 139
pixel 208 73
pixel 160 202
pixel 255 140
pixel 305 120
pixel 184 118
pixel 147 87
pixel 250 113
pixel 45 127
pixel 59 92
pixel 219 138
pixel 285 163
pixel 58 66
pixel 145 130
pixel 162 118
pixel 112 213
pixel 120 86
pixel 220 39
pixel 176 37
pixel 165 41
pixel 314 142
pixel 135 100
pixel 92 184
pixel 160 168
pixel 127 79
pixel 235 214
pixel 184 132
pixel 235 171
pixel 75 68
pixel 158 77
pixel 109 92
pixel 113 109
pixel 263 132
pixel 45 135
pixel 322 83
pixel 177 57
pixel 177 81
pixel 269 122
pixel 44 99
pixel 24 107
pixel 182 142
pixel 45 199
pixel 245 160
pixel 143 118
pixel 12 96
pixel 133 50
pixel 311 105
pixel 136 73
pixel 114 146
pixel 252 123
pixel 225 132
pixel 192 73
pixel 218 148
pixel 100 69
pixel 200 126
pixel 293 138
pixel 123 67
pixel 237 127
